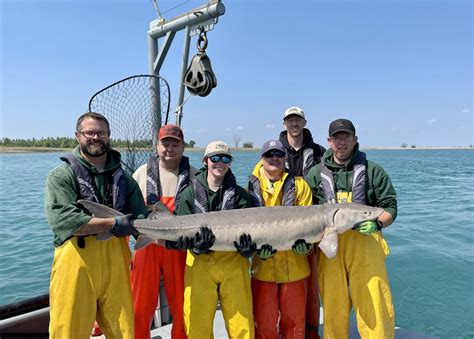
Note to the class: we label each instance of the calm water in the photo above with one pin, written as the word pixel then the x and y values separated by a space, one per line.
pixel 431 265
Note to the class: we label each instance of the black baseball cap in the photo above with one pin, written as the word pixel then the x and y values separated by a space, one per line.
pixel 341 125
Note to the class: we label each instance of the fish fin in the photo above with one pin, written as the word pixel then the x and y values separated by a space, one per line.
pixel 143 241
pixel 329 243
pixel 99 210
pixel 159 209
pixel 104 235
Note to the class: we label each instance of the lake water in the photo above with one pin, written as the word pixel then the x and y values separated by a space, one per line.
pixel 431 264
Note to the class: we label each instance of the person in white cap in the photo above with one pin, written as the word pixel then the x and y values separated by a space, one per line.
pixel 302 153
pixel 209 275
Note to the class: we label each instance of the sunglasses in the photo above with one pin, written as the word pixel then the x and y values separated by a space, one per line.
pixel 274 153
pixel 224 158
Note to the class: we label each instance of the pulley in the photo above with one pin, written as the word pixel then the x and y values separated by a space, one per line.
pixel 199 79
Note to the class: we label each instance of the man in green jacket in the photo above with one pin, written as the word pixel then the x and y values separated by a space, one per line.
pixel 90 278
pixel 357 275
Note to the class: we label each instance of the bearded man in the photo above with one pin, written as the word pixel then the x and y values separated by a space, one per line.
pixel 90 278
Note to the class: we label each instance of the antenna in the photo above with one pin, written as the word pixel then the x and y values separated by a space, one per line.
pixel 155 3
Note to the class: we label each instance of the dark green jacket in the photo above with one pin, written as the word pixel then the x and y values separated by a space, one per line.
pixel 379 189
pixel 186 205
pixel 62 192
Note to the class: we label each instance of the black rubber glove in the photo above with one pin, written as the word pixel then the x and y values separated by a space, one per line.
pixel 266 251
pixel 203 240
pixel 246 247
pixel 301 247
pixel 124 226
pixel 183 244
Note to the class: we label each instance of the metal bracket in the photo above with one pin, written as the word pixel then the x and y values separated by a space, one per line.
pixel 205 26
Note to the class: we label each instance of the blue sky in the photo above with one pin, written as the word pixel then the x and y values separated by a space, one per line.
pixel 400 69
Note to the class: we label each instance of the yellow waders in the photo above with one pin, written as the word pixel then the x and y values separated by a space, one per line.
pixel 209 277
pixel 357 275
pixel 89 283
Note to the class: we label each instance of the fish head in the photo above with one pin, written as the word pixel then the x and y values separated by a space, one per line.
pixel 346 216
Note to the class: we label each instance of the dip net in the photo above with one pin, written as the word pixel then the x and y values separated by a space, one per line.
pixel 136 107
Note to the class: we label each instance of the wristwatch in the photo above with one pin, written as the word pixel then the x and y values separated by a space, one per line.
pixel 379 225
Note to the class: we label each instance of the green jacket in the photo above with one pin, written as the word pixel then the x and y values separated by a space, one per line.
pixel 186 204
pixel 62 192
pixel 379 189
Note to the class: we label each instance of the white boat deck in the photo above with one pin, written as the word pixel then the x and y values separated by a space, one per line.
pixel 220 331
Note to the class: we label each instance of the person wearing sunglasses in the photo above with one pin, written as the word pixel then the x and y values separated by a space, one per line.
pixel 212 275
pixel 90 278
pixel 163 178
pixel 302 153
pixel 279 278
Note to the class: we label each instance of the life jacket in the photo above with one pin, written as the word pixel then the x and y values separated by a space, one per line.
pixel 359 181
pixel 288 196
pixel 201 202
pixel 116 192
pixel 301 161
pixel 153 185
pixel 308 160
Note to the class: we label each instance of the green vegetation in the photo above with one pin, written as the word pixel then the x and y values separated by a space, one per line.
pixel 65 142
pixel 248 145
pixel 58 142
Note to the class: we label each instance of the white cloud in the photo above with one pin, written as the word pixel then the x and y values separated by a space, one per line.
pixel 234 129
pixel 466 110
pixel 432 121
pixel 270 126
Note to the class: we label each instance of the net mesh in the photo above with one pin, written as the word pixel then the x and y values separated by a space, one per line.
pixel 133 108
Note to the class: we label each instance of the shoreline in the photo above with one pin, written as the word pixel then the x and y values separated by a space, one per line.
pixel 7 149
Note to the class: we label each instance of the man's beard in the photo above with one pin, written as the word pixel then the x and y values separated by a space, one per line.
pixel 95 148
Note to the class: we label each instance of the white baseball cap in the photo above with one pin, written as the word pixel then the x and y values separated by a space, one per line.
pixel 294 110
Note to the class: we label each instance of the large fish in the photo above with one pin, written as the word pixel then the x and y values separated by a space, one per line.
pixel 279 226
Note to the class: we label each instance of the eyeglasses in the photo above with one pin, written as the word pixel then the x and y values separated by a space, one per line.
pixel 91 134
pixel 224 158
pixel 274 153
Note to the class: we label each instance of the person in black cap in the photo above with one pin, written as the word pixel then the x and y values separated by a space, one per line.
pixel 302 153
pixel 357 275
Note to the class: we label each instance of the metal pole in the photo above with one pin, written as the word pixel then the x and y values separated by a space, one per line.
pixel 203 17
pixel 155 89
pixel 184 65
pixel 195 17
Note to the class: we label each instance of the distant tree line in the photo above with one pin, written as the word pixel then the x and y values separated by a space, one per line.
pixel 58 142
pixel 67 142
pixel 406 146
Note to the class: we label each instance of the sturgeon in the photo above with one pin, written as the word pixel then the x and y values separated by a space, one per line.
pixel 279 226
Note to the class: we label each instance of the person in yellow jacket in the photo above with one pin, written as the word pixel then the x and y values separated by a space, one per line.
pixel 279 279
